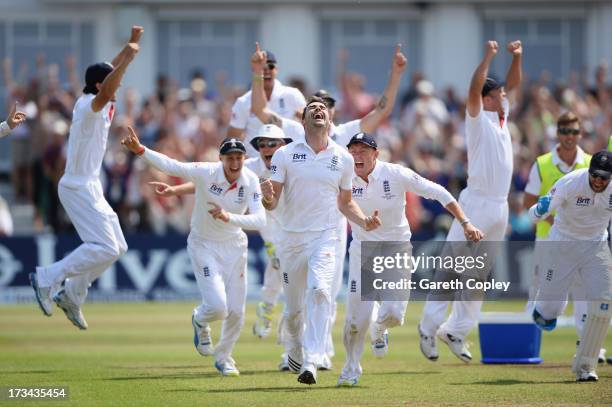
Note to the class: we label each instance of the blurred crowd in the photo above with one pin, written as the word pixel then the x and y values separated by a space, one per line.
pixel 425 132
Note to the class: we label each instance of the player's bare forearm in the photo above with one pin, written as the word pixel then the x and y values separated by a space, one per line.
pixel 383 108
pixel 474 103
pixel 187 188
pixel 515 74
pixel 456 211
pixel 349 208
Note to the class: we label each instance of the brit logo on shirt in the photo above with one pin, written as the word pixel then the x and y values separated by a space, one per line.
pixel 387 190
pixel 333 164
pixel 582 201
pixel 281 103
pixel 215 189
pixel 298 158
pixel 357 192
pixel 610 203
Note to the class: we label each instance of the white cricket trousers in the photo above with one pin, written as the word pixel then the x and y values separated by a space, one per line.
pixel 103 242
pixel 563 262
pixel 337 284
pixel 361 314
pixel 308 263
pixel 577 292
pixel 490 215
pixel 220 269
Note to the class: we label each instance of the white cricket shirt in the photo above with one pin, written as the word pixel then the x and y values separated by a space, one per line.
pixel 312 183
pixel 284 101
pixel 87 141
pixel 212 186
pixel 581 214
pixel 271 232
pixel 490 159
pixel 385 191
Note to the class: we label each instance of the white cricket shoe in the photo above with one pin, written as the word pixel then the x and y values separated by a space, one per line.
pixel 347 381
pixel 602 356
pixel 586 376
pixel 308 374
pixel 428 345
pixel 201 338
pixel 295 359
pixel 227 367
pixel 380 340
pixel 283 366
pixel 263 323
pixel 72 311
pixel 326 364
pixel 43 295
pixel 456 345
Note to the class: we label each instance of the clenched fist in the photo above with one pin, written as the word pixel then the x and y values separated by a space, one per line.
pixel 491 48
pixel 515 48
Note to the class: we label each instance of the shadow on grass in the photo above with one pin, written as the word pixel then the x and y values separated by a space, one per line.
pixel 284 389
pixel 511 382
pixel 29 372
pixel 185 375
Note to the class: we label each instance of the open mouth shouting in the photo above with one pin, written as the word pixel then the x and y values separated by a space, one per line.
pixel 359 165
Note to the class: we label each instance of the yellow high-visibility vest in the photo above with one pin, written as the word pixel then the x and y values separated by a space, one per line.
pixel 549 174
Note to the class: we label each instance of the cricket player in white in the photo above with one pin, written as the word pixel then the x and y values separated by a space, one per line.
pixel 80 192
pixel 216 244
pixel 548 168
pixel 382 186
pixel 315 175
pixel 341 134
pixel 284 100
pixel 583 204
pixel 485 200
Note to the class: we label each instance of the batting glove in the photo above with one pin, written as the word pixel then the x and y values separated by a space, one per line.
pixel 542 206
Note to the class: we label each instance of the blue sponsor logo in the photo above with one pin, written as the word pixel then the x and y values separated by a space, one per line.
pixel 215 189
pixel 582 201
pixel 299 158
pixel 357 192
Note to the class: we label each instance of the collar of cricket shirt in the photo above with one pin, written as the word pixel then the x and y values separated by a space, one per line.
pixel 220 178
pixel 376 172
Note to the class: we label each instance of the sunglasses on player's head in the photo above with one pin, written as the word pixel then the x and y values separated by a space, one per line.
pixel 568 130
pixel 268 143
pixel 271 65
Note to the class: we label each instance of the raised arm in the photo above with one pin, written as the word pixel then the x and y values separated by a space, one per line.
pixel 258 95
pixel 163 163
pixel 384 107
pixel 474 102
pixel 515 72
pixel 113 80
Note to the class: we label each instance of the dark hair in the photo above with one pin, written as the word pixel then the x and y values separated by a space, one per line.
pixel 312 99
pixel 94 74
pixel 566 119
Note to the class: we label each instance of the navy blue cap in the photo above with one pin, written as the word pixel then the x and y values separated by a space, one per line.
pixel 270 57
pixel 489 85
pixel 363 138
pixel 96 73
pixel 232 145
pixel 329 101
pixel 601 164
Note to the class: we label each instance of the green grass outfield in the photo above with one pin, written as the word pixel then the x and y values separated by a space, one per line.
pixel 142 354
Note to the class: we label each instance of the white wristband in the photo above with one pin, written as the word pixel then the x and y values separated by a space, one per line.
pixel 5 130
pixel 463 222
